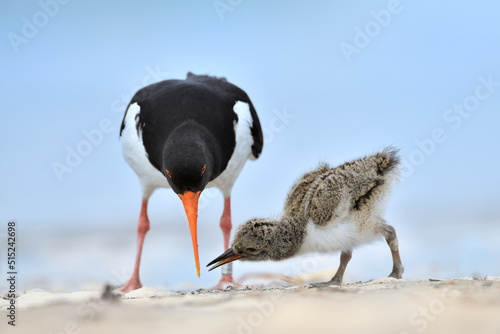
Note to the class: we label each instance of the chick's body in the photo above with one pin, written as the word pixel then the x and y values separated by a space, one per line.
pixel 328 210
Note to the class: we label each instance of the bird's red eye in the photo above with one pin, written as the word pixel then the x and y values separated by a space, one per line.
pixel 168 173
pixel 203 169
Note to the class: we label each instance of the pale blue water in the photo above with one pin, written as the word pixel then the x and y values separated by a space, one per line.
pixel 64 260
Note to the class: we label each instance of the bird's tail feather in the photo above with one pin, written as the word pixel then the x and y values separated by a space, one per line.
pixel 387 160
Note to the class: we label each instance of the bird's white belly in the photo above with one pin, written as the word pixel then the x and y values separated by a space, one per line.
pixel 150 178
pixel 135 154
pixel 242 150
pixel 334 237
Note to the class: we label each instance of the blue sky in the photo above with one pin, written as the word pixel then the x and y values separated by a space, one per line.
pixel 425 79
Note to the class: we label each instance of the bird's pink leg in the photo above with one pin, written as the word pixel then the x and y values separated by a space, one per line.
pixel 227 270
pixel 142 227
pixel 225 222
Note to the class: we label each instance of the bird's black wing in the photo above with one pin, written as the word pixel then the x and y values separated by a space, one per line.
pixel 235 94
pixel 256 130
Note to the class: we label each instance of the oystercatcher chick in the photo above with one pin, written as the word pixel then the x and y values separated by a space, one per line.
pixel 189 135
pixel 327 210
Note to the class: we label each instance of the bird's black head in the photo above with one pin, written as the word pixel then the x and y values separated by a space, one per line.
pixel 187 164
pixel 187 172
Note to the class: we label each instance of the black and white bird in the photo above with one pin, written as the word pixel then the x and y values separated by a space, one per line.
pixel 327 210
pixel 189 135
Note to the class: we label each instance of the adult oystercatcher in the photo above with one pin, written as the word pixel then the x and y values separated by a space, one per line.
pixel 327 210
pixel 189 135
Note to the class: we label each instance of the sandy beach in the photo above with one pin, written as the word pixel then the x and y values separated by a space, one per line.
pixel 385 305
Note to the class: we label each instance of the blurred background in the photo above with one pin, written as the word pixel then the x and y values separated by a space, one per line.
pixel 331 81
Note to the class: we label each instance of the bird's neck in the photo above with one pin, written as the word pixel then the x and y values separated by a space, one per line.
pixel 289 235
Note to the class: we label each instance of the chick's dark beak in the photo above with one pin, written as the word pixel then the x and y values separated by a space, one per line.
pixel 226 257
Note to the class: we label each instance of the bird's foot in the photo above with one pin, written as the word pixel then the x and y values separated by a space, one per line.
pixel 397 273
pixel 225 282
pixel 333 281
pixel 132 284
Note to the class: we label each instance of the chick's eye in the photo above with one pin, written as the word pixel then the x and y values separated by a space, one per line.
pixel 203 169
pixel 168 173
pixel 251 250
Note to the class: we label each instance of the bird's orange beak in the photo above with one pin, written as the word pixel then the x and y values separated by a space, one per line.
pixel 190 202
